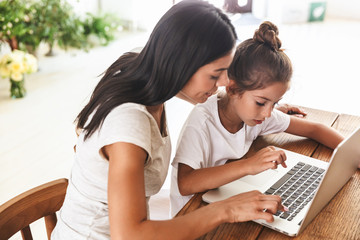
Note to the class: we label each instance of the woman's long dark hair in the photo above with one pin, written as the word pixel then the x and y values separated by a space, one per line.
pixel 191 34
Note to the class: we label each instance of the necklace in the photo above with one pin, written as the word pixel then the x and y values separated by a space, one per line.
pixel 223 113
pixel 186 97
pixel 227 121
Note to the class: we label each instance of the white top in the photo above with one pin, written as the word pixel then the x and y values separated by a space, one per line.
pixel 84 214
pixel 204 142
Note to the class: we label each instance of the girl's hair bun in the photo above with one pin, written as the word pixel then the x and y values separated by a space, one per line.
pixel 268 34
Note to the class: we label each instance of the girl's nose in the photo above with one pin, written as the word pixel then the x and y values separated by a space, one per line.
pixel 267 112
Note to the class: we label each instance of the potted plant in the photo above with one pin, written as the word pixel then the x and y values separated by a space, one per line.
pixel 14 66
pixel 100 29
pixel 24 24
pixel 58 23
pixel 18 25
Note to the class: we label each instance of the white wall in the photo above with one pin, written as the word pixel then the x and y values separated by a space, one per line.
pixel 84 6
pixel 298 10
pixel 348 9
pixel 143 13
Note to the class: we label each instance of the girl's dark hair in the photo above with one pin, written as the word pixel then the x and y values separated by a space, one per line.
pixel 260 61
pixel 190 34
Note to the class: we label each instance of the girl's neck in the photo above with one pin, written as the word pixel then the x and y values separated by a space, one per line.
pixel 228 117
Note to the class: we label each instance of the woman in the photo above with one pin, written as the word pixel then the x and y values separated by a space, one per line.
pixel 123 152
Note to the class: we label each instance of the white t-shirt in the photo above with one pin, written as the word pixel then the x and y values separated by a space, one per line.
pixel 84 214
pixel 204 142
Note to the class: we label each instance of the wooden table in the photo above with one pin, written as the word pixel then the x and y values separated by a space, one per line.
pixel 340 219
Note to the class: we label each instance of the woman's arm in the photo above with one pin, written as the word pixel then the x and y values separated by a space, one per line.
pixel 317 131
pixel 192 181
pixel 127 203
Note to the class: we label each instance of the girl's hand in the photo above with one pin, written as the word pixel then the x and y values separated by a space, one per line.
pixel 266 158
pixel 252 205
pixel 291 110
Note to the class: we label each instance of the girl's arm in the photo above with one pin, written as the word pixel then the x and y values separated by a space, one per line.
pixel 317 131
pixel 192 181
pixel 127 203
pixel 291 110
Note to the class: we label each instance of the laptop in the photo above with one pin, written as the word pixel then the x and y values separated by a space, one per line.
pixel 306 185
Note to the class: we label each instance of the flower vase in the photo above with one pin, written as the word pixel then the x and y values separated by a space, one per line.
pixel 17 89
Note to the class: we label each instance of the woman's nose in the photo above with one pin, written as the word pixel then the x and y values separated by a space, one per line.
pixel 223 80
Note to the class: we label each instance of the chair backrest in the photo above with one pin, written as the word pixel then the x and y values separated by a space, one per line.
pixel 42 201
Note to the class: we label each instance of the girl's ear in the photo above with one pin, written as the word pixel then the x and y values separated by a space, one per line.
pixel 231 88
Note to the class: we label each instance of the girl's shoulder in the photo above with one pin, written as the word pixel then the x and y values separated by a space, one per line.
pixel 205 110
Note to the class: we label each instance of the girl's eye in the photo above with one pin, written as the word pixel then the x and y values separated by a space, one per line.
pixel 260 104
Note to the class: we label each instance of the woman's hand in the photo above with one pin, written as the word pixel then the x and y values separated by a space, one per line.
pixel 291 110
pixel 252 205
pixel 266 158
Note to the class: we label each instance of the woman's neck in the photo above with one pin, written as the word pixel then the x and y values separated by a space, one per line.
pixel 228 117
pixel 185 97
pixel 158 113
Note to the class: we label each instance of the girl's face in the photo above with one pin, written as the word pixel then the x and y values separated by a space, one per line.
pixel 206 80
pixel 253 107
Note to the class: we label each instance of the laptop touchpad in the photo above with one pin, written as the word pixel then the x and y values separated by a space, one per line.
pixel 261 178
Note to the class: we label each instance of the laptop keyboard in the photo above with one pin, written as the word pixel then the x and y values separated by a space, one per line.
pixel 296 188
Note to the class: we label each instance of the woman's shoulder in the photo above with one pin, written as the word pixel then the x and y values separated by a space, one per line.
pixel 130 108
pixel 128 112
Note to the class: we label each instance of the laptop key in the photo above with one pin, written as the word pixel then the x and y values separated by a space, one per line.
pixel 281 181
pixel 296 188
pixel 285 215
pixel 278 213
pixel 270 191
pixel 313 169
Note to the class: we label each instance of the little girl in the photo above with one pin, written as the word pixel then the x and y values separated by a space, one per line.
pixel 225 126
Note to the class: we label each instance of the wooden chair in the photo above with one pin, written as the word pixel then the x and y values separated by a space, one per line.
pixel 42 201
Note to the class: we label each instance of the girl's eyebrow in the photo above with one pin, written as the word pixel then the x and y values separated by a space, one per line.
pixel 265 98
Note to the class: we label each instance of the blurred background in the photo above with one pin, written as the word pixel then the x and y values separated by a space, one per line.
pixel 74 41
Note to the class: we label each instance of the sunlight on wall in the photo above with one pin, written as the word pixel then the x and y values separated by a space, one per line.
pixel 81 7
pixel 141 13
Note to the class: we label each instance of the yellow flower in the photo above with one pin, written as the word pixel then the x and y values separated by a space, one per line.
pixel 4 72
pixel 30 63
pixel 4 59
pixel 17 66
pixel 17 63
pixel 17 76
pixel 18 55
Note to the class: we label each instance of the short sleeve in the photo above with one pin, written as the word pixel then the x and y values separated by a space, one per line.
pixel 278 122
pixel 192 148
pixel 126 124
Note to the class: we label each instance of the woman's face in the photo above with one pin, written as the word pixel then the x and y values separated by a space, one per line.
pixel 206 80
